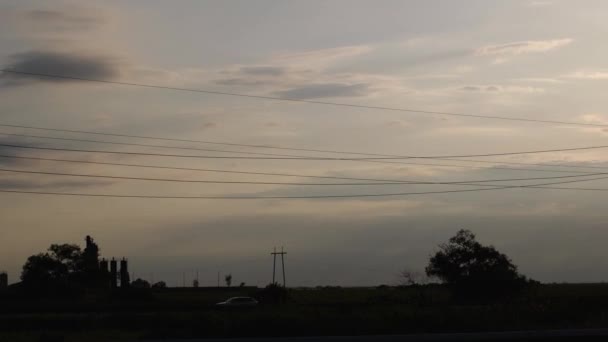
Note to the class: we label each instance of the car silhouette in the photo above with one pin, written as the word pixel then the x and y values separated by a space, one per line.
pixel 238 302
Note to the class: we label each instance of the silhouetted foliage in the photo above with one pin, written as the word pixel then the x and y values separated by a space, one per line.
pixel 140 284
pixel 273 294
pixel 59 267
pixel 413 278
pixel 160 285
pixel 474 270
pixel 64 268
pixel 228 279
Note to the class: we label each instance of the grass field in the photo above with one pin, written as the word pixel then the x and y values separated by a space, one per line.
pixel 185 312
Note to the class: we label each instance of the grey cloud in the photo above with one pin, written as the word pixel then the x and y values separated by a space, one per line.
pixel 326 90
pixel 56 63
pixel 503 89
pixel 246 76
pixel 482 88
pixel 10 151
pixel 29 184
pixel 69 19
pixel 263 70
pixel 240 82
pixel 470 88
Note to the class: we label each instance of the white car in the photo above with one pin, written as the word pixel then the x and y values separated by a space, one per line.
pixel 238 302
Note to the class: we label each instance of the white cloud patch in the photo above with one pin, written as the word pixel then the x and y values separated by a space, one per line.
pixel 321 58
pixel 501 89
pixel 546 80
pixel 588 75
pixel 592 118
pixel 523 47
pixel 539 3
pixel 503 52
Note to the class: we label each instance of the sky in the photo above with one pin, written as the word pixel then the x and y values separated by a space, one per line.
pixel 540 60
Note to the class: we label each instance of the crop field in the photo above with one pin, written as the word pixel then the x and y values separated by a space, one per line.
pixel 189 312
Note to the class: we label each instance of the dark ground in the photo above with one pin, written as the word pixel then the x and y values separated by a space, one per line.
pixel 189 313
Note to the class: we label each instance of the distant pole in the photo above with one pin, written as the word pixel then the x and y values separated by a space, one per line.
pixel 283 264
pixel 184 279
pixel 218 279
pixel 274 263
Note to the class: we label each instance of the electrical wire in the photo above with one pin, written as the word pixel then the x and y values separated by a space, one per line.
pixel 243 197
pixel 267 157
pixel 376 182
pixel 300 156
pixel 335 104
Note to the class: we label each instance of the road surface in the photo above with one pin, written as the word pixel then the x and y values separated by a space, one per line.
pixel 536 335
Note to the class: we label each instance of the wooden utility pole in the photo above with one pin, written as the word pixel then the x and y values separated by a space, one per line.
pixel 283 264
pixel 274 263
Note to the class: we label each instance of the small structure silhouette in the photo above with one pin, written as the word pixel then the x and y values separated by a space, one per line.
pixel 124 273
pixel 3 281
pixel 113 273
pixel 91 255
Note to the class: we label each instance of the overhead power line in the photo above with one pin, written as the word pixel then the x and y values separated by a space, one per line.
pixel 275 157
pixel 253 172
pixel 287 155
pixel 236 197
pixel 300 156
pixel 376 181
pixel 244 197
pixel 274 98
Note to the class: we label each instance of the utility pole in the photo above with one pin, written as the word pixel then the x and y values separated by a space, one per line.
pixel 218 279
pixel 274 262
pixel 283 264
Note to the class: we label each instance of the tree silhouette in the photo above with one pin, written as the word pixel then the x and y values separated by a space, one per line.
pixel 472 269
pixel 140 284
pixel 413 278
pixel 228 279
pixel 159 285
pixel 59 266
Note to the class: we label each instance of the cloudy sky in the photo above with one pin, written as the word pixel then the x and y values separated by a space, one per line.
pixel 543 60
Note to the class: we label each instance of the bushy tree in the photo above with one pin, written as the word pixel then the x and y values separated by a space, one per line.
pixel 159 285
pixel 228 279
pixel 59 266
pixel 472 269
pixel 64 267
pixel 140 284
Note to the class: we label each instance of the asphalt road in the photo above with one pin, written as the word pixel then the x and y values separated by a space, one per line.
pixel 537 335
